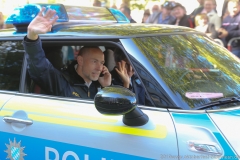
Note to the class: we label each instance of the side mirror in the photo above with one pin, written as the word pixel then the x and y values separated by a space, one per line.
pixel 117 100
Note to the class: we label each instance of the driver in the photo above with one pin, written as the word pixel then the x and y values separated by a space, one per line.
pixel 82 77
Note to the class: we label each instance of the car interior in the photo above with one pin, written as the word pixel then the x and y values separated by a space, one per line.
pixel 61 56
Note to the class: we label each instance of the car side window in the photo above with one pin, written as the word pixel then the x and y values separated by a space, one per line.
pixel 11 59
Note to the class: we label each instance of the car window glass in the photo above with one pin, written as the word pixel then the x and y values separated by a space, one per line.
pixel 193 67
pixel 11 58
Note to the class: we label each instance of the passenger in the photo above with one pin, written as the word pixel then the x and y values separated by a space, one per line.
pixel 81 79
pixel 230 27
pixel 164 16
pixel 123 75
pixel 182 19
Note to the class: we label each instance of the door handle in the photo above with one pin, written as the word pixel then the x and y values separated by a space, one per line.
pixel 17 120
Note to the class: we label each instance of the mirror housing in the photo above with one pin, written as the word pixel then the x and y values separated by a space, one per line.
pixel 117 100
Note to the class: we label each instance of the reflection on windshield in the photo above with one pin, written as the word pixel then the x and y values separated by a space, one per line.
pixel 196 69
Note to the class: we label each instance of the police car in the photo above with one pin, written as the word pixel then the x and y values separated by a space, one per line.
pixel 192 82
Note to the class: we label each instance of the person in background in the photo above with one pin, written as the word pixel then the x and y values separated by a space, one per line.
pixel 230 26
pixel 182 19
pixel 97 3
pixel 127 12
pixel 2 24
pixel 211 13
pixel 202 24
pixel 146 15
pixel 155 9
pixel 163 17
pixel 197 10
pixel 114 6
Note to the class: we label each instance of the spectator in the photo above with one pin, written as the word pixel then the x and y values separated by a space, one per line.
pixel 114 6
pixel 146 15
pixel 155 9
pixel 198 10
pixel 230 26
pixel 211 13
pixel 163 17
pixel 182 19
pixel 97 3
pixel 127 12
pixel 203 25
pixel 2 25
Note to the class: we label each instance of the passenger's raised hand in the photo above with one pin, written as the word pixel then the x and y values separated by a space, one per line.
pixel 123 73
pixel 41 23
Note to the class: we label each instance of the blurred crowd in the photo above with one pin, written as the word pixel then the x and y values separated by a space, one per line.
pixel 204 19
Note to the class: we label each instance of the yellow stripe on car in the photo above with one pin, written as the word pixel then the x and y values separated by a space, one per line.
pixel 82 116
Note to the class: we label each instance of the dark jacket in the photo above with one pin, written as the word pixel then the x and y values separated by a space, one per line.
pixel 232 25
pixel 185 21
pixel 211 29
pixel 135 87
pixel 53 81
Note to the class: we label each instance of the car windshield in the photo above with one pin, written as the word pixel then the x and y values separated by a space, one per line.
pixel 196 69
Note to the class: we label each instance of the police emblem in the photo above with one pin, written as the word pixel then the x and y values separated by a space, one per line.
pixel 14 150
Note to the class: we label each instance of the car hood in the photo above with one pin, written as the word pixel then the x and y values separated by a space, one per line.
pixel 228 122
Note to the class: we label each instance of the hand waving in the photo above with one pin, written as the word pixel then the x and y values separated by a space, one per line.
pixel 41 23
pixel 123 73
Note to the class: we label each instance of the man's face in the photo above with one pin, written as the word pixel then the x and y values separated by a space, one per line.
pixel 92 64
pixel 208 5
pixel 233 8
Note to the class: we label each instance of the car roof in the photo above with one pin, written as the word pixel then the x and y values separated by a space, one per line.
pixel 103 30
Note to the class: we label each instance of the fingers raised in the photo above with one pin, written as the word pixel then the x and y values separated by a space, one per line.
pixel 49 14
pixel 41 11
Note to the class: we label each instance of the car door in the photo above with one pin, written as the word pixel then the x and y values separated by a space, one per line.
pixel 60 128
pixel 54 127
pixel 199 137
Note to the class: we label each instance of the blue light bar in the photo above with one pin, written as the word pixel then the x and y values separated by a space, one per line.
pixel 120 17
pixel 25 14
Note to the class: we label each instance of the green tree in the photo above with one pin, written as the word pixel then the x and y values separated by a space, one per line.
pixel 51 1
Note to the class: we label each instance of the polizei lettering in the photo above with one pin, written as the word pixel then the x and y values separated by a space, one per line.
pixel 68 154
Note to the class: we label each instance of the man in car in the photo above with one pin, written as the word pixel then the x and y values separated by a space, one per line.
pixel 123 75
pixel 81 79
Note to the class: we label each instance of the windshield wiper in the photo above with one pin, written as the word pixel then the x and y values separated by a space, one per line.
pixel 220 102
